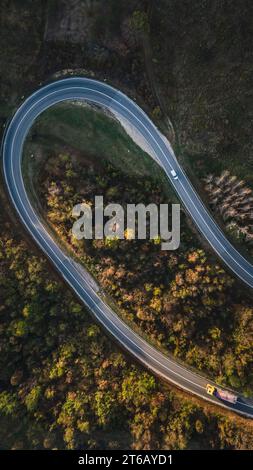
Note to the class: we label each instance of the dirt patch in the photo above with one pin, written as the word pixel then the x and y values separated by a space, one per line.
pixel 70 21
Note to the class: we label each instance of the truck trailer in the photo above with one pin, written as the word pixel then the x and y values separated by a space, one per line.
pixel 223 395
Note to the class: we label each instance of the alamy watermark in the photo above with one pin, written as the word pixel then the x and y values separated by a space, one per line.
pixel 137 221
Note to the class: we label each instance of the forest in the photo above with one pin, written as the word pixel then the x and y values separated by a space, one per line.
pixel 63 383
pixel 183 301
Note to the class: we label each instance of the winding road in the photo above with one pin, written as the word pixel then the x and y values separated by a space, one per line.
pixel 79 88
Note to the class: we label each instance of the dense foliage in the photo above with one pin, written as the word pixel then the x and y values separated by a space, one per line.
pixel 184 301
pixel 64 385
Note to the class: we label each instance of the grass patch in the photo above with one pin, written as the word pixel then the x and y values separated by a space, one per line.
pixel 98 135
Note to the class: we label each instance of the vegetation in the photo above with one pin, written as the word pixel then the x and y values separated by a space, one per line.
pixel 202 58
pixel 202 63
pixel 65 385
pixel 233 200
pixel 78 126
pixel 62 383
pixel 184 301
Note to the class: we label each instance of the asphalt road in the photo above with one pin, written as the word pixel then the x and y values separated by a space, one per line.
pixel 108 97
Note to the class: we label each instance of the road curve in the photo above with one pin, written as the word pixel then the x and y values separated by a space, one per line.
pixel 102 94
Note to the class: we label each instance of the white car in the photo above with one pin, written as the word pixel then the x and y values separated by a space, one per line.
pixel 174 175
